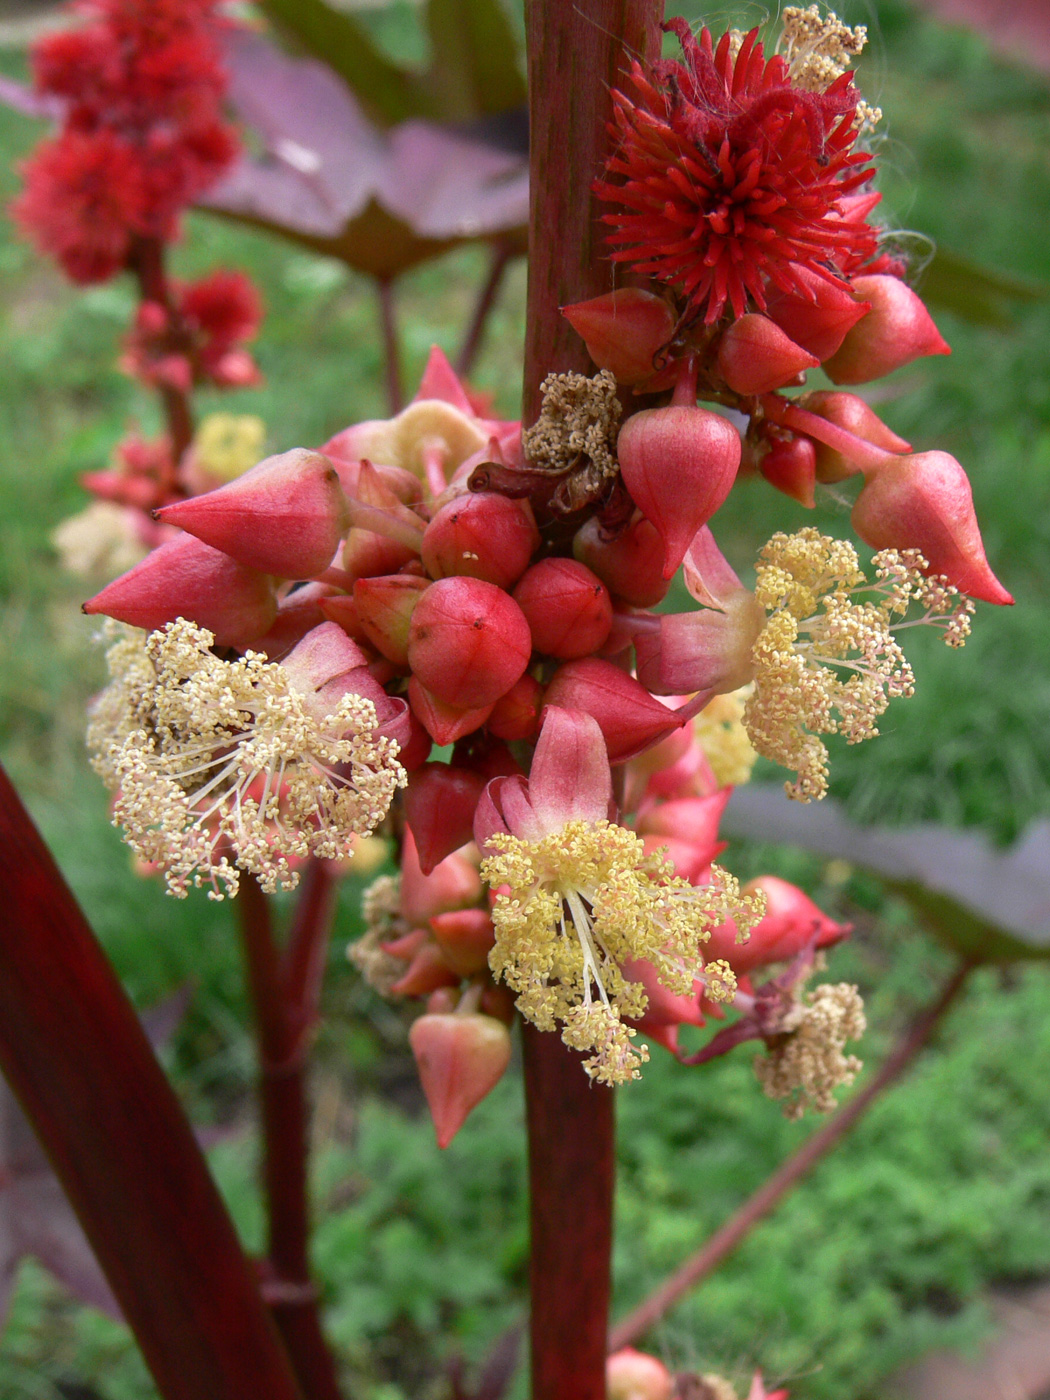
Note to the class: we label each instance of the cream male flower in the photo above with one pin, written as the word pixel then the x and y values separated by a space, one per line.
pixel 224 764
pixel 577 898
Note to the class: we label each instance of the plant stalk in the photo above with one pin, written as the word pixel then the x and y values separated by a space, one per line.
pixel 725 1239
pixel 147 263
pixel 391 344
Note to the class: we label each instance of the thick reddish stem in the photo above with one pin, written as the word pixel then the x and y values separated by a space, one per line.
pixel 571 1175
pixel 74 1052
pixel 285 1009
pixel 147 263
pixel 391 344
pixel 756 1207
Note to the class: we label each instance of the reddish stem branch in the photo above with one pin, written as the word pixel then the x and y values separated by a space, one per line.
pixel 74 1052
pixel 725 1240
pixel 284 997
pixel 865 456
pixel 147 263
pixel 391 344
pixel 501 254
pixel 571 1177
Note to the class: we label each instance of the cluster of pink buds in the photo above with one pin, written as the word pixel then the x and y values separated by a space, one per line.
pixel 493 589
pixel 198 336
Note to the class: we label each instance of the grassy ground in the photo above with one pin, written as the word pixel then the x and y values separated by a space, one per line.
pixel 946 1187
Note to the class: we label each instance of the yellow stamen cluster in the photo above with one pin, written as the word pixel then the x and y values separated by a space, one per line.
pixel 720 731
pixel 807 1065
pixel 818 630
pixel 818 48
pixel 227 444
pixel 715 1388
pixel 214 759
pixel 578 904
pixel 99 540
pixel 381 911
pixel 579 420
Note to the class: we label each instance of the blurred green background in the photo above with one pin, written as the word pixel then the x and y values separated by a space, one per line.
pixel 890 1247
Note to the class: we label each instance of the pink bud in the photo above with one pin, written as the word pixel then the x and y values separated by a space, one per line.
pixel 629 564
pixel 444 723
pixel 481 535
pixel 692 819
pixel 852 413
pixel 384 608
pixel 468 642
pixel 460 1059
pixel 755 356
pixel 924 502
pixel 235 369
pixel 632 1375
pixel 790 464
pixel 666 1010
pixel 426 972
pixel 791 922
pixel 820 322
pixel 897 330
pixel 339 607
pixel 186 578
pixel 439 808
pixel 454 883
pixel 623 331
pixel 568 608
pixel 465 937
pixel 678 463
pixel 286 516
pixel 629 718
pixel 516 715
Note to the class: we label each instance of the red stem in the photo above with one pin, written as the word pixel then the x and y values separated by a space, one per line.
pixel 501 255
pixel 865 456
pixel 284 995
pixel 572 1172
pixel 728 1236
pixel 147 263
pixel 74 1052
pixel 391 344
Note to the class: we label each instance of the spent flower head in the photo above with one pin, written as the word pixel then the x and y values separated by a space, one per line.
pixel 827 660
pixel 806 1064
pixel 224 764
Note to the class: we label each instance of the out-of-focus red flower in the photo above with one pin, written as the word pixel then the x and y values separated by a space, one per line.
pixel 198 338
pixel 731 177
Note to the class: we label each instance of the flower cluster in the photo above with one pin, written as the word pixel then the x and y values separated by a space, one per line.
pixel 198 336
pixel 143 134
pixel 807 1064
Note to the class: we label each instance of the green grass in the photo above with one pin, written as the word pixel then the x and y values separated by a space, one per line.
pixel 946 1187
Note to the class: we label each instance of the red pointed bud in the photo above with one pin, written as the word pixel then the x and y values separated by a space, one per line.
pixel 624 331
pixel 790 464
pixel 440 802
pixel 678 463
pixel 454 883
pixel 755 356
pixel 630 564
pixel 339 607
pixel 481 535
pixel 468 642
pixel 897 330
pixel 666 1010
pixel 186 578
pixel 628 716
pixel 384 608
pixel 427 971
pixel 465 937
pixel 692 819
pixel 366 553
pixel 852 413
pixel 297 614
pixel 818 323
pixel 689 861
pixel 791 922
pixel 285 516
pixel 924 502
pixel 404 485
pixel 444 723
pixel 568 608
pixel 632 1375
pixel 460 1059
pixel 516 715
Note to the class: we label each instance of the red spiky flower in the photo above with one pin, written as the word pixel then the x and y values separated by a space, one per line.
pixel 732 176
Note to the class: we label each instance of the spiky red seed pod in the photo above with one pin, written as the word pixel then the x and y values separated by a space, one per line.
pixel 568 608
pixel 630 564
pixel 624 331
pixel 924 502
pixel 481 535
pixel 460 1058
pixel 755 356
pixel 187 578
pixel 286 516
pixel 468 642
pixel 679 464
pixel 897 330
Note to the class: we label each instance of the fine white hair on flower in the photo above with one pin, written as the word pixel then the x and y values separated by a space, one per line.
pixel 220 766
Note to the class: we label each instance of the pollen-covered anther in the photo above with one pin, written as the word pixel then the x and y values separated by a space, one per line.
pixel 720 731
pixel 225 764
pixel 381 914
pixel 575 434
pixel 807 1065
pixel 818 48
pixel 573 907
pixel 827 660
